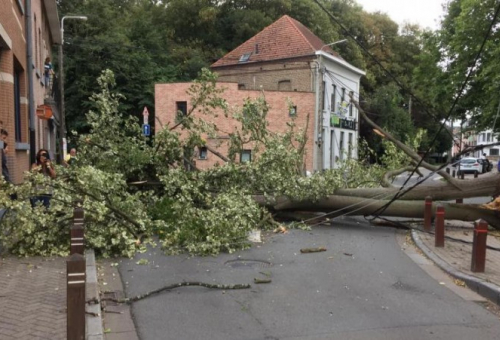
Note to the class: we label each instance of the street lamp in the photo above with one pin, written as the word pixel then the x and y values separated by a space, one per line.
pixel 62 123
pixel 333 43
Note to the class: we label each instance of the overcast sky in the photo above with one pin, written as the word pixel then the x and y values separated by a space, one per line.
pixel 423 12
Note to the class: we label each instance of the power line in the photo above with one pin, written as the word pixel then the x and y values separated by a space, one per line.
pixel 464 84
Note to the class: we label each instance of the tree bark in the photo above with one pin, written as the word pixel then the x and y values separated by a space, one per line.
pixel 337 205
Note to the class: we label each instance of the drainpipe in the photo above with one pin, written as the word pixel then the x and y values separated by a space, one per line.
pixel 31 94
pixel 316 111
pixel 319 118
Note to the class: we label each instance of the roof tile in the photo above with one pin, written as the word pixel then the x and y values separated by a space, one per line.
pixel 285 38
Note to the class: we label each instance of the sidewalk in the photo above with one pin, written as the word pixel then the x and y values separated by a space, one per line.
pixel 455 258
pixel 32 298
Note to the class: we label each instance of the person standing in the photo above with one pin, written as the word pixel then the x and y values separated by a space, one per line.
pixel 5 169
pixel 44 166
pixel 47 72
pixel 71 157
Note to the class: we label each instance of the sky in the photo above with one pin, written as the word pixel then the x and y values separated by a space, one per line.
pixel 426 13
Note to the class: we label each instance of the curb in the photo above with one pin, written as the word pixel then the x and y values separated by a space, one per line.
pixel 480 286
pixel 93 323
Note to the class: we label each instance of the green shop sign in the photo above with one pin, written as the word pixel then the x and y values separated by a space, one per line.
pixel 343 123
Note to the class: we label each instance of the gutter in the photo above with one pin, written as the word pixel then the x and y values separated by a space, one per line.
pixel 29 72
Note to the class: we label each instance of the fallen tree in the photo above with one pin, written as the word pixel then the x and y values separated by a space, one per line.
pixel 136 190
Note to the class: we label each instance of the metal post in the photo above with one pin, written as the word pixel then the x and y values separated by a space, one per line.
pixel 462 175
pixel 77 242
pixel 453 174
pixel 479 246
pixel 439 227
pixel 475 174
pixel 75 298
pixel 428 213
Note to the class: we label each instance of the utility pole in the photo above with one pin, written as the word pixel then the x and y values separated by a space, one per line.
pixel 62 123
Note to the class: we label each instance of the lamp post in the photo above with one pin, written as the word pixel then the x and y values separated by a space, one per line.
pixel 62 123
pixel 333 43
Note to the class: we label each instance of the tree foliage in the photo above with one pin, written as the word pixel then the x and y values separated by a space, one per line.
pixel 202 212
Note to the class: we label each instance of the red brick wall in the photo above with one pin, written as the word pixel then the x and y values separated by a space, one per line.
pixel 13 30
pixel 166 96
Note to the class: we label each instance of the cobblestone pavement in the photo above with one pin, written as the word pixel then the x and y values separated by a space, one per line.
pixel 32 298
pixel 457 256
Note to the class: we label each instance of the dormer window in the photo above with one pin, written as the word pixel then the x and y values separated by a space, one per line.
pixel 245 57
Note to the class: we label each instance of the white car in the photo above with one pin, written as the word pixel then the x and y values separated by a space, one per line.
pixel 470 165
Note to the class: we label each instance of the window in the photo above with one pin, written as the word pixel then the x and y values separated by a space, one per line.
pixel 332 148
pixel 323 90
pixel 349 146
pixel 241 86
pixel 246 156
pixel 341 146
pixel 292 111
pixel 181 108
pixel 493 152
pixel 488 137
pixel 483 136
pixel 17 104
pixel 285 85
pixel 245 57
pixel 333 98
pixel 256 48
pixel 342 98
pixel 350 105
pixel 203 152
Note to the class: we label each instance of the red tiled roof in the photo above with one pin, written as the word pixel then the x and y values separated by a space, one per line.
pixel 285 38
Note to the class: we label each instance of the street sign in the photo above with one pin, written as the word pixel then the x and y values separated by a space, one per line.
pixel 145 116
pixel 146 130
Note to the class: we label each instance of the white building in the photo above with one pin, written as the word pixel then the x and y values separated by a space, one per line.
pixel 340 118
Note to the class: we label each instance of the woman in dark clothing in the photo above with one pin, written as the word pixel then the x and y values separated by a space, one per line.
pixel 44 166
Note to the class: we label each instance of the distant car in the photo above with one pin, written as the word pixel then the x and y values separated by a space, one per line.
pixel 470 165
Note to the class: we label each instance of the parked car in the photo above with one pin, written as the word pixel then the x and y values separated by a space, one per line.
pixel 487 166
pixel 470 165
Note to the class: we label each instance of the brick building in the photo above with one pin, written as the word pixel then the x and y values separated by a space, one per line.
pixel 171 98
pixel 287 60
pixel 24 113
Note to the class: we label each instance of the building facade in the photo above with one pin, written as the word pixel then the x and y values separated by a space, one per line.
pixel 27 105
pixel 284 107
pixel 286 60
pixel 287 56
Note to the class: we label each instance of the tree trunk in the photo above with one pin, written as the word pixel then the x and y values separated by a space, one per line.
pixel 336 205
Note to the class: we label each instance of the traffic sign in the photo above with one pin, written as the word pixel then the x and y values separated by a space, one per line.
pixel 146 130
pixel 145 112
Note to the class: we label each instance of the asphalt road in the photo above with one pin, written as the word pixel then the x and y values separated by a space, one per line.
pixel 363 287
